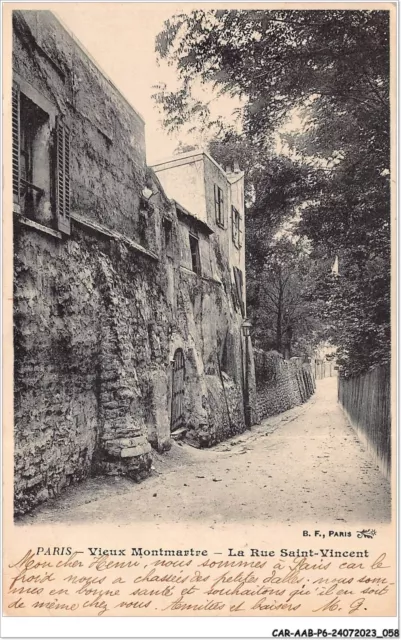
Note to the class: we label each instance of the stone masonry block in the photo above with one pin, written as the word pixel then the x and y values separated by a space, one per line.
pixel 132 452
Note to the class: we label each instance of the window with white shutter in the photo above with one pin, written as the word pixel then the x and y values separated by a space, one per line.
pixel 63 177
pixel 40 170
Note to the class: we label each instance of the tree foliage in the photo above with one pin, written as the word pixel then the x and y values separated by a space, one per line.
pixel 281 299
pixel 277 60
pixel 331 67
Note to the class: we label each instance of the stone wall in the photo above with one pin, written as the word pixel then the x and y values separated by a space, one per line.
pixel 90 340
pixel 100 313
pixel 91 313
pixel 225 413
pixel 280 384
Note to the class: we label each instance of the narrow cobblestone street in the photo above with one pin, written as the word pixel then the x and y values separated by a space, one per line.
pixel 304 465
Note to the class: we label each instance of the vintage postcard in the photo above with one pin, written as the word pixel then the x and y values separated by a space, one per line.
pixel 199 254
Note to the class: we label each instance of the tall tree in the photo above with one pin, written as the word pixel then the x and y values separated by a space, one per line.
pixel 276 61
pixel 282 304
pixel 332 68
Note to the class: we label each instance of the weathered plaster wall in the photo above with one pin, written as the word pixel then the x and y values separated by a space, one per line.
pixel 237 191
pixel 190 180
pixel 225 255
pixel 107 135
pixel 184 181
pixel 214 175
pixel 208 331
pixel 204 241
pixel 237 256
pixel 210 325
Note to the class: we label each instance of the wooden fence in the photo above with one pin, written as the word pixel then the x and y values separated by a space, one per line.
pixel 366 402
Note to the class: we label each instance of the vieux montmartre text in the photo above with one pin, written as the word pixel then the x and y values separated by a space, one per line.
pixel 251 552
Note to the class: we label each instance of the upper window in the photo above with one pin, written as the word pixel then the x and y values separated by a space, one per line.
pixel 236 227
pixel 195 257
pixel 219 205
pixel 41 178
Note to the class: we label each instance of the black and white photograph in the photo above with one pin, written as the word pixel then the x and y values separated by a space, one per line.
pixel 202 265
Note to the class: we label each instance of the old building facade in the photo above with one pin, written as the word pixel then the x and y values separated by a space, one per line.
pixel 129 282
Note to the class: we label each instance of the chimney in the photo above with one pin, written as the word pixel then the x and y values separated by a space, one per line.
pixel 236 167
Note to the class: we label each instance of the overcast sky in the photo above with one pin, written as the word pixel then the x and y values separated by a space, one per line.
pixel 121 38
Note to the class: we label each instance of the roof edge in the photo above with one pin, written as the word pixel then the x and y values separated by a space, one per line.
pixel 195 153
pixel 180 156
pixel 201 223
pixel 234 177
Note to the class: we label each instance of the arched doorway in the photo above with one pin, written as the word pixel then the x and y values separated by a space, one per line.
pixel 177 399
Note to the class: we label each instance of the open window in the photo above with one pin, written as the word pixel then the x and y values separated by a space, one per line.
pixel 194 246
pixel 40 159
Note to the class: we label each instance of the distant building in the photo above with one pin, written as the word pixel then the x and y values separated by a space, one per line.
pixel 324 362
pixel 215 197
pixel 129 284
